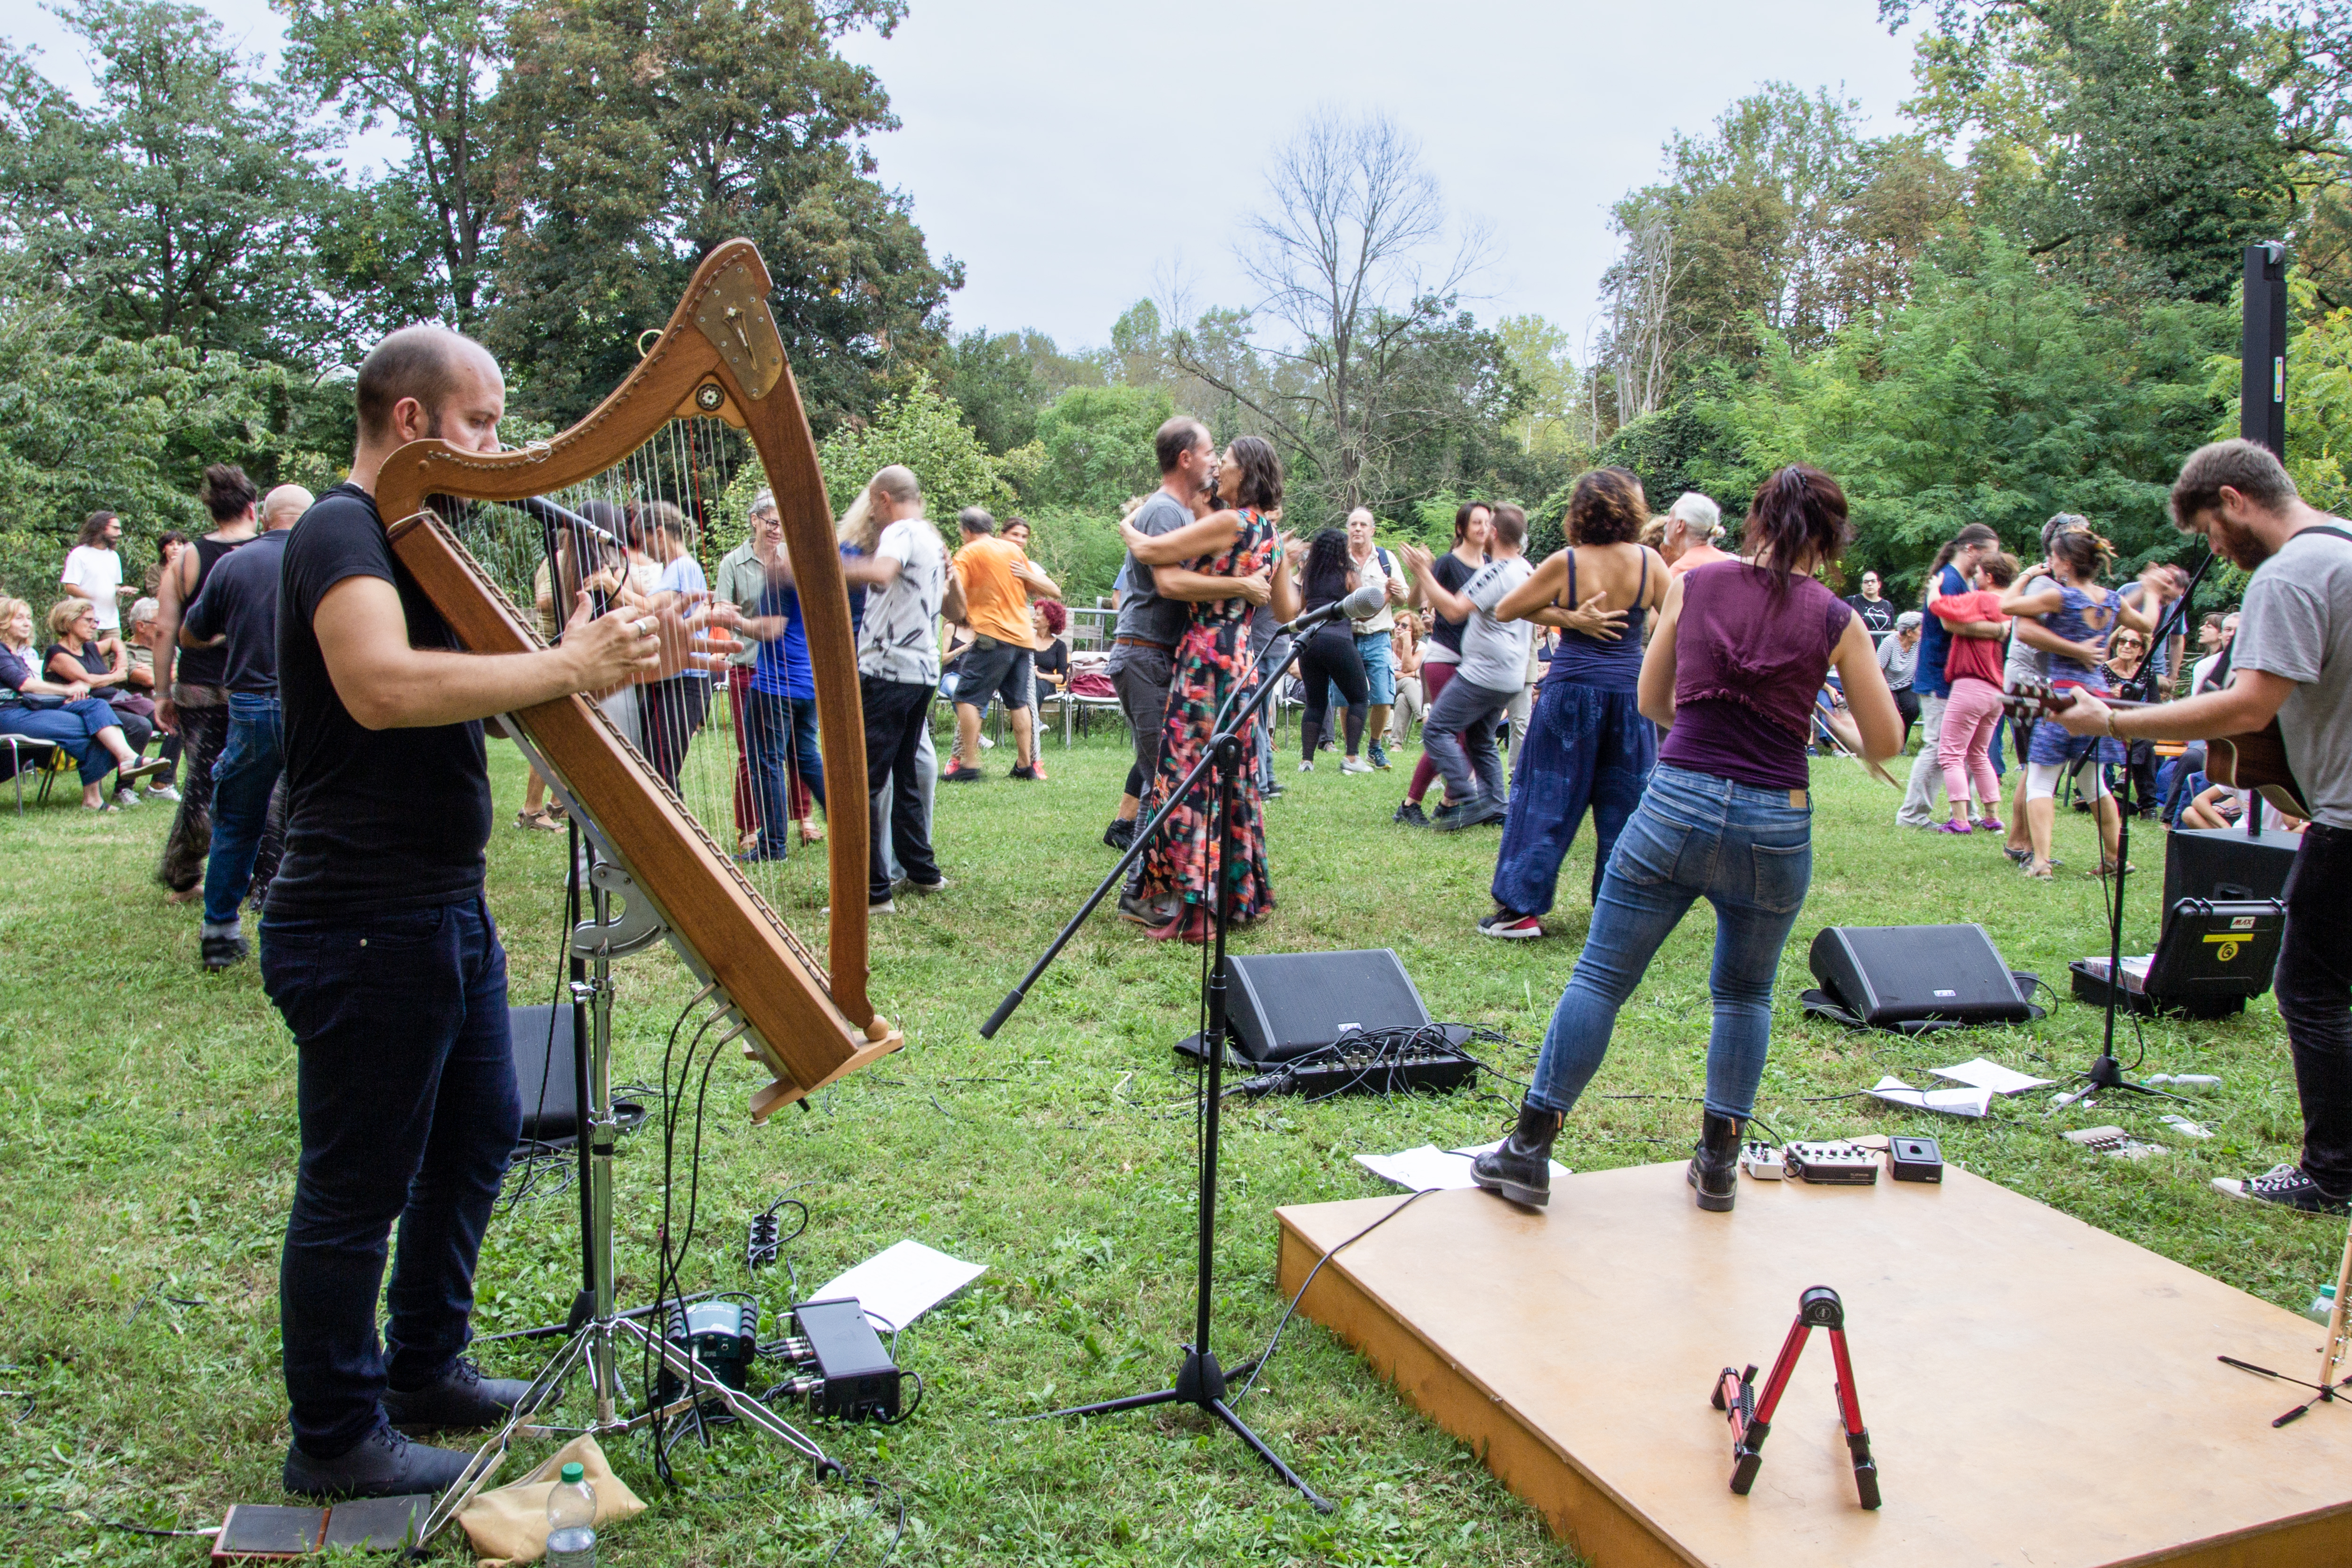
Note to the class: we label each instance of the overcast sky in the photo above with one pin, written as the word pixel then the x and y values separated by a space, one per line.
pixel 1072 152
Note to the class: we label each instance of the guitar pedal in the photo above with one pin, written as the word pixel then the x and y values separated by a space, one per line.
pixel 1833 1163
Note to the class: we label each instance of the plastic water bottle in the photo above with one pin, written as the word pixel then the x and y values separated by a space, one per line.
pixel 571 1521
pixel 2323 1305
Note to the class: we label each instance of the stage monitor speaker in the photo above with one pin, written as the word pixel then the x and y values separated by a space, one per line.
pixel 543 1059
pixel 1893 975
pixel 2227 864
pixel 1284 1005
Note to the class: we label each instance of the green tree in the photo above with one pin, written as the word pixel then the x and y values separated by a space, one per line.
pixel 634 137
pixel 427 66
pixel 176 205
pixel 1996 395
pixel 1096 447
pixel 925 432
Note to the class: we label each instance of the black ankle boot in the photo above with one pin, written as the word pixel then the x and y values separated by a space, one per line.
pixel 1521 1169
pixel 1714 1161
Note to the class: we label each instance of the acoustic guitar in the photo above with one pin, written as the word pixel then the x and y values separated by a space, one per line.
pixel 2255 762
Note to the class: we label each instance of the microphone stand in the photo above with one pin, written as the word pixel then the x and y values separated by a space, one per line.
pixel 1200 1380
pixel 2105 1072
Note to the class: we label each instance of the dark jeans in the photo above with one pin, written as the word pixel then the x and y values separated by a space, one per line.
pixel 2314 997
pixel 405 1084
pixel 668 713
pixel 1907 703
pixel 1585 747
pixel 247 772
pixel 1458 730
pixel 780 737
pixel 896 711
pixel 1140 677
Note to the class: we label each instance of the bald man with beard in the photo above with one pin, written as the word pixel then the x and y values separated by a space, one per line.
pixel 378 948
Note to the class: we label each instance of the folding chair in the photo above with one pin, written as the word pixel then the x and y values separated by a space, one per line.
pixel 45 756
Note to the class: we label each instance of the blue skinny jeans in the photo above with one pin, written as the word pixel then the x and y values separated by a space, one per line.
pixel 1744 849
pixel 781 741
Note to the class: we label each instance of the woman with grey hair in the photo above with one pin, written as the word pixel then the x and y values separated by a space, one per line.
pixel 1899 655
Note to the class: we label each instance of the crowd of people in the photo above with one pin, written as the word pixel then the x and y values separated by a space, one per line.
pixel 1656 673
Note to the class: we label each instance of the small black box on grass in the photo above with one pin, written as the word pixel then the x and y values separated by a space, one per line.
pixel 1915 1159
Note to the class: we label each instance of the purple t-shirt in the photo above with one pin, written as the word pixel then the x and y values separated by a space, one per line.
pixel 13 673
pixel 1747 662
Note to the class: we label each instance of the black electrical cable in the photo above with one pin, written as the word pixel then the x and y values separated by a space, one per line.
pixel 86 1517
pixel 878 1486
pixel 1275 1341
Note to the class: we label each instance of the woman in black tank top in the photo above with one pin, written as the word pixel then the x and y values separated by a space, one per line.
pixel 1328 658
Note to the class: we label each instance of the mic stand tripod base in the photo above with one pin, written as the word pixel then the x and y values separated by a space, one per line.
pixel 1202 1382
pixel 2107 1073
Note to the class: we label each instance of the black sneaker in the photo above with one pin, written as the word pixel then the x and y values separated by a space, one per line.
pixel 385 1464
pixel 1445 810
pixel 225 952
pixel 2287 1188
pixel 962 776
pixel 1024 771
pixel 461 1399
pixel 1410 813
pixel 1120 835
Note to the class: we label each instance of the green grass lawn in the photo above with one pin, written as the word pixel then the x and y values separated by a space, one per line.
pixel 148 1138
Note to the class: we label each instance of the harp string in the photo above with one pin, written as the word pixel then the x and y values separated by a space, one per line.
pixel 718 737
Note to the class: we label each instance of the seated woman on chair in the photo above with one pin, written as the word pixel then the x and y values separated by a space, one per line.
pixel 81 652
pixel 62 714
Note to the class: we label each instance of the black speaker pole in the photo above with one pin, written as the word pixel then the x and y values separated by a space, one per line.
pixel 1200 1380
pixel 2261 353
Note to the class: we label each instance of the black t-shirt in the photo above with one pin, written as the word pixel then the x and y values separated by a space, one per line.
pixel 240 597
pixel 1053 658
pixel 376 819
pixel 1452 572
pixel 1876 615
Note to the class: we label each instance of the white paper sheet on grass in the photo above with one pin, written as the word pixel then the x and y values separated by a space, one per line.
pixel 1952 1101
pixel 1428 1167
pixel 901 1283
pixel 1982 1074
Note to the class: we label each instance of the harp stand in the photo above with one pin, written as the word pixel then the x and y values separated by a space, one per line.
pixel 620 922
pixel 1200 1380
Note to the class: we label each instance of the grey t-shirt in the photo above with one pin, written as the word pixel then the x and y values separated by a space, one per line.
pixel 1495 652
pixel 2298 624
pixel 1142 611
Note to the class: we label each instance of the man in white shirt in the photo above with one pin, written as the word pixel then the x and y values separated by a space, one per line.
pixel 1458 730
pixel 1374 564
pixel 907 585
pixel 94 570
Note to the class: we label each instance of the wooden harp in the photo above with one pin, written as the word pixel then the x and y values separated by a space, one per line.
pixel 714 378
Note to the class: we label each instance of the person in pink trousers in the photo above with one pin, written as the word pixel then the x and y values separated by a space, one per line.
pixel 1974 669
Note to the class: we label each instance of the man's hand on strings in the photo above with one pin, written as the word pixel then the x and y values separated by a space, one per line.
pixel 612 649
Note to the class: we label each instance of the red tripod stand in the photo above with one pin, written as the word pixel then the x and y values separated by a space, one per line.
pixel 1751 1417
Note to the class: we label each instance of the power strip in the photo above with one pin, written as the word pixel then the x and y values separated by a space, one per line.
pixel 1833 1163
pixel 1763 1162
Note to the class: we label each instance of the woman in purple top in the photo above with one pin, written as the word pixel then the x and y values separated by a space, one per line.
pixel 1740 648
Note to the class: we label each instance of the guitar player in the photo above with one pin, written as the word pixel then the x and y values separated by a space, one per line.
pixel 2292 662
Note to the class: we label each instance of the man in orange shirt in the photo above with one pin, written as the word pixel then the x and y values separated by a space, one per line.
pixel 998 584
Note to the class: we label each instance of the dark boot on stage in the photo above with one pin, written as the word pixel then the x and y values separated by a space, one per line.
pixel 385 1464
pixel 460 1400
pixel 1521 1169
pixel 1714 1161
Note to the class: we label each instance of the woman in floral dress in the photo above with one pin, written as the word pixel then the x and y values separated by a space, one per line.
pixel 1226 564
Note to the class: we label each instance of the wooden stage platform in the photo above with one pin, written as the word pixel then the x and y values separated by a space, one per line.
pixel 2039 1394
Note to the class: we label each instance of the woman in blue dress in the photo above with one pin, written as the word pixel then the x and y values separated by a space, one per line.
pixel 2071 603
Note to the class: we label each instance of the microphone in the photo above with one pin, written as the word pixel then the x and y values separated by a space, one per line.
pixel 1365 601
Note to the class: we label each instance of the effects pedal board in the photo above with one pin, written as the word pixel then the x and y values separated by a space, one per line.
pixel 1762 1161
pixel 1833 1163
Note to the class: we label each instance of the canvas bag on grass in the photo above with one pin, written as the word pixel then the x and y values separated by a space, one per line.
pixel 509 1525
